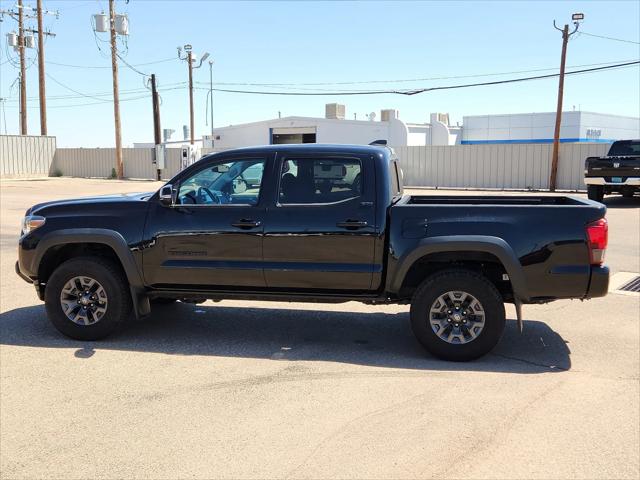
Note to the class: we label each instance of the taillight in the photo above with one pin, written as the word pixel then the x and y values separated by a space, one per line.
pixel 597 237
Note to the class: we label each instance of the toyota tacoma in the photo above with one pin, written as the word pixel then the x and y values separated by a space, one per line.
pixel 313 223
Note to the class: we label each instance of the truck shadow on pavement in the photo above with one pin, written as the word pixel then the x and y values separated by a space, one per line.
pixel 618 201
pixel 360 338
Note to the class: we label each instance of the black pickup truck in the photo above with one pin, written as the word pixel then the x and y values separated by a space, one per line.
pixel 316 223
pixel 618 172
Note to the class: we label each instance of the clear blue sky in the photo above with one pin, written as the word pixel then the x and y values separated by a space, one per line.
pixel 307 42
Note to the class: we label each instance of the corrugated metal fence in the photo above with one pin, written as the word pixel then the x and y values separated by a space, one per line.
pixel 501 166
pixel 100 162
pixel 22 155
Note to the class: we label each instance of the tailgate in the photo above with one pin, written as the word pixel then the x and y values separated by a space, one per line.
pixel 613 167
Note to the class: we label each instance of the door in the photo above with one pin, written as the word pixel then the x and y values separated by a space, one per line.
pixel 211 236
pixel 321 232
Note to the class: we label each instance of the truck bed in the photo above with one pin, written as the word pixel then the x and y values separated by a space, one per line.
pixel 515 200
pixel 547 234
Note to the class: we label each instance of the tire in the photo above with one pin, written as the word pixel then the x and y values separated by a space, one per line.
pixel 469 343
pixel 163 301
pixel 113 297
pixel 595 192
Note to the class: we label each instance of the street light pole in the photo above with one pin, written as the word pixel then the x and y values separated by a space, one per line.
pixel 576 17
pixel 190 60
pixel 211 96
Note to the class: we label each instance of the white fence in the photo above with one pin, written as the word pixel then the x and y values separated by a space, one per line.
pixel 25 155
pixel 501 166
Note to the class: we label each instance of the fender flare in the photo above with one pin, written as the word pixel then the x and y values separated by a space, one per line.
pixel 465 243
pixel 107 237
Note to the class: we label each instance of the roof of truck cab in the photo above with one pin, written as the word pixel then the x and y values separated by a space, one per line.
pixel 315 147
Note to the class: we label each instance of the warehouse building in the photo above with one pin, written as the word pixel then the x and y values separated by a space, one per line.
pixel 335 128
pixel 576 126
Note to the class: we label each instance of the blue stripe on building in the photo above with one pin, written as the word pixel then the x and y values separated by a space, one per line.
pixel 538 140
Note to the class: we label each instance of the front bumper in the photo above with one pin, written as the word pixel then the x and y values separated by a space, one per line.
pixel 629 182
pixel 23 276
pixel 599 284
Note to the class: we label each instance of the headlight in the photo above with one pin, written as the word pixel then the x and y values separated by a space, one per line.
pixel 30 223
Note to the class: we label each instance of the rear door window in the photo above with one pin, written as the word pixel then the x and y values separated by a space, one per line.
pixel 320 180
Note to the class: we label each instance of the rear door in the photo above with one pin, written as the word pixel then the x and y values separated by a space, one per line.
pixel 321 232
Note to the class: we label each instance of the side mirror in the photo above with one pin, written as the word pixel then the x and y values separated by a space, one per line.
pixel 166 195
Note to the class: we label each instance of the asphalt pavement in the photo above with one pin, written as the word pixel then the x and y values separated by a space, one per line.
pixel 285 390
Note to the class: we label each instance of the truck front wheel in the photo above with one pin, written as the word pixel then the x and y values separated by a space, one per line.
pixel 87 298
pixel 595 192
pixel 457 315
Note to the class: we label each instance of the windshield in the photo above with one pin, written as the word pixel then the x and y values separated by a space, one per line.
pixel 625 148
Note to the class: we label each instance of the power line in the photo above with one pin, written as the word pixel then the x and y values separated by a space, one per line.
pixel 88 103
pixel 101 66
pixel 371 92
pixel 424 90
pixel 76 91
pixel 104 94
pixel 608 38
pixel 131 66
pixel 405 80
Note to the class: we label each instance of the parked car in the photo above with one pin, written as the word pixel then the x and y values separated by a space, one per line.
pixel 617 172
pixel 326 223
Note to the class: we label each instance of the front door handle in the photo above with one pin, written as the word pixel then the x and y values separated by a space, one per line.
pixel 352 224
pixel 246 224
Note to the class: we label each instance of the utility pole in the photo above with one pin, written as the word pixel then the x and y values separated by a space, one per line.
pixel 156 119
pixel 576 17
pixel 190 61
pixel 23 42
pixel 23 71
pixel 41 85
pixel 116 95
pixel 211 96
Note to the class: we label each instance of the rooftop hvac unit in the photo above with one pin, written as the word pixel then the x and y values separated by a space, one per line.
pixel 101 22
pixel 444 118
pixel 166 133
pixel 12 39
pixel 334 111
pixel 388 115
pixel 122 24
pixel 29 41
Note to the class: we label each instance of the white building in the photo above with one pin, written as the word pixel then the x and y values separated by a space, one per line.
pixel 334 128
pixel 576 126
pixel 539 128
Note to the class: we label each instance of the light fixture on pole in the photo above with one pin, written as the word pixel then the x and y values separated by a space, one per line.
pixel 190 58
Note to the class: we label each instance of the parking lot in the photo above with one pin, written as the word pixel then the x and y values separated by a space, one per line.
pixel 270 390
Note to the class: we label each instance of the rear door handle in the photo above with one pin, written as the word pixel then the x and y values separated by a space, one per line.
pixel 246 224
pixel 352 224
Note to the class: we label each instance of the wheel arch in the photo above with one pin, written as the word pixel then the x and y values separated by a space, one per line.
pixel 58 246
pixel 461 251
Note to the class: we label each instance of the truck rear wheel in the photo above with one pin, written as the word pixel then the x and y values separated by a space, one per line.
pixel 457 315
pixel 87 298
pixel 595 192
